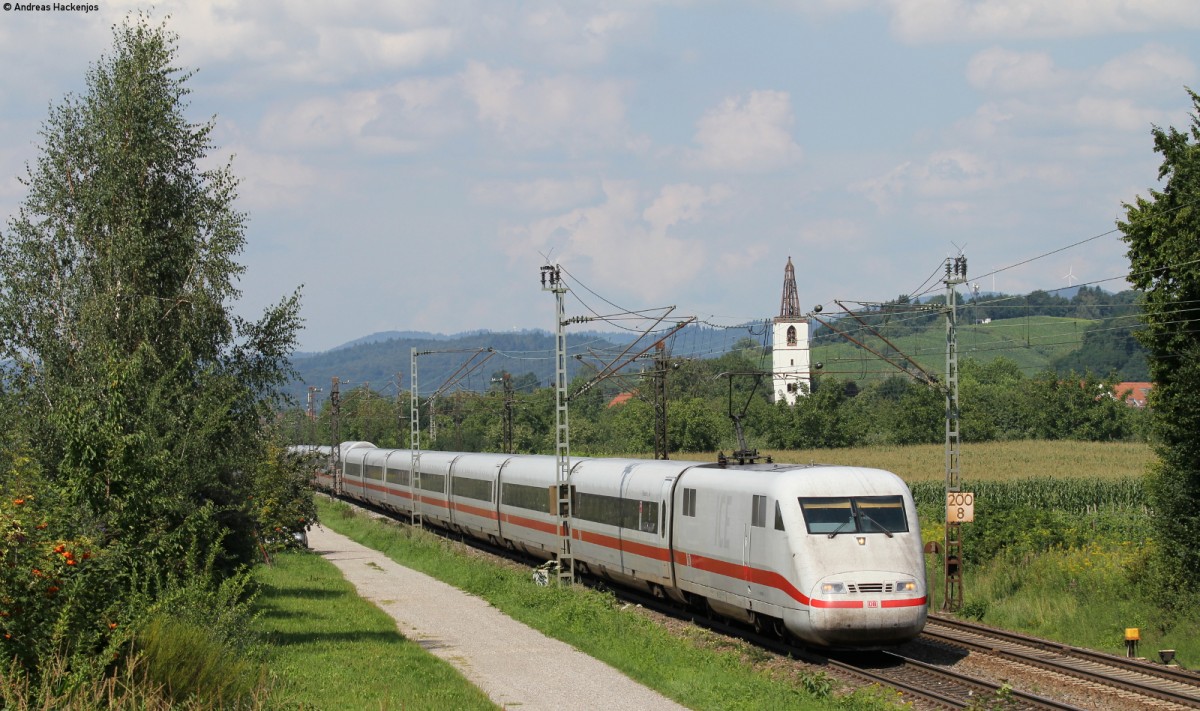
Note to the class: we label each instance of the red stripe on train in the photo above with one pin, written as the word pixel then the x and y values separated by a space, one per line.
pixel 642 549
pixel 475 510
pixel 532 524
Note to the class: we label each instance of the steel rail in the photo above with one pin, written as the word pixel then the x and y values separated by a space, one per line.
pixel 1156 682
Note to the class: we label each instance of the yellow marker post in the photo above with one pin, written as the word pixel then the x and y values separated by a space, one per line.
pixel 1132 636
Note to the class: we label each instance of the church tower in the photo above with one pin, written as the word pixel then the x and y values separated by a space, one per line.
pixel 789 344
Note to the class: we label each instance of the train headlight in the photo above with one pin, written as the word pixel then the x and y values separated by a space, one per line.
pixel 906 586
pixel 833 588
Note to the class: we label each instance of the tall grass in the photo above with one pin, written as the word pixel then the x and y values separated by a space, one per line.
pixel 127 687
pixel 187 662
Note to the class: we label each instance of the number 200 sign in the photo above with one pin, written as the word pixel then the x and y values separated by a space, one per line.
pixel 960 507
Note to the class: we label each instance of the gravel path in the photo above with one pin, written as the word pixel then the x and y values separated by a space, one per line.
pixel 516 666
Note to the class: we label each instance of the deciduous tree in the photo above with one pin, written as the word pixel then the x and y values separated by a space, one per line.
pixel 1163 234
pixel 142 393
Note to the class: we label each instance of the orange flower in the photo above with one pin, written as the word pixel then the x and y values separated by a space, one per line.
pixel 37 572
pixel 52 589
pixel 70 561
pixel 87 554
pixel 112 625
pixel 42 525
pixel 59 548
pixel 18 502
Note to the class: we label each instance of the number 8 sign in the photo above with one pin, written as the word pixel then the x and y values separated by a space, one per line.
pixel 960 507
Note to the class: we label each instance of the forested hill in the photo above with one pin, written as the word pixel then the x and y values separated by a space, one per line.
pixel 528 356
pixel 1090 331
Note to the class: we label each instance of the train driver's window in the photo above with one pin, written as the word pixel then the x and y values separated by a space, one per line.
pixel 882 513
pixel 827 514
pixel 778 518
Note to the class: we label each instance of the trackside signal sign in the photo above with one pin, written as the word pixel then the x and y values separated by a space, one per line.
pixel 960 507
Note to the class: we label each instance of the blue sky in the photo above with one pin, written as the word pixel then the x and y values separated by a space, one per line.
pixel 409 163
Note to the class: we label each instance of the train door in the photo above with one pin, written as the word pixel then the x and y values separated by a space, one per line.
pixel 664 528
pixel 758 544
pixel 628 515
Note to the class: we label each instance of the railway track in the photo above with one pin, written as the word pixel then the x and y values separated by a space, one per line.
pixel 1176 687
pixel 927 685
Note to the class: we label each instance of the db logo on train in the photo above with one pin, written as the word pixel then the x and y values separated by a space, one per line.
pixel 960 507
pixel 872 603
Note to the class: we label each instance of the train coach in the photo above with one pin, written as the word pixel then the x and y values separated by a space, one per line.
pixel 829 554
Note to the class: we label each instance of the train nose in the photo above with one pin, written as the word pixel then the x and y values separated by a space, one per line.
pixel 872 608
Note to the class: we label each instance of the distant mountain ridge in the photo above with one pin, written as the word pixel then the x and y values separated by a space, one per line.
pixel 378 358
pixel 1103 345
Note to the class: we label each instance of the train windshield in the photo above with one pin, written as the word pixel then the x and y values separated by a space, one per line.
pixel 854 514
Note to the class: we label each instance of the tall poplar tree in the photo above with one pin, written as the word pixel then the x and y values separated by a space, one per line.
pixel 1163 233
pixel 143 394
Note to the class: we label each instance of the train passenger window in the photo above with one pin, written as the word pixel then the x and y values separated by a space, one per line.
pixel 397 476
pixel 778 518
pixel 479 489
pixel 614 511
pixel 758 512
pixel 352 469
pixel 598 508
pixel 374 471
pixel 434 482
pixel 524 496
pixel 689 502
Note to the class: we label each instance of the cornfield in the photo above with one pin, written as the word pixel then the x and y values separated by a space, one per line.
pixel 1072 495
pixel 990 461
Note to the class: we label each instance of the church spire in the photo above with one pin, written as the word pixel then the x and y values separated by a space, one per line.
pixel 789 306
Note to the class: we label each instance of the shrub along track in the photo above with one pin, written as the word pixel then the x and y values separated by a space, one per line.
pixel 922 670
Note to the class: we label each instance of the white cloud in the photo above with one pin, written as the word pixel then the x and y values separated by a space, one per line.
pixel 642 251
pixel 538 113
pixel 682 203
pixel 921 21
pixel 999 69
pixel 270 180
pixel 1110 113
pixel 574 34
pixel 825 234
pixel 1151 68
pixel 306 41
pixel 406 117
pixel 941 176
pixel 1032 96
pixel 747 134
pixel 378 49
pixel 544 195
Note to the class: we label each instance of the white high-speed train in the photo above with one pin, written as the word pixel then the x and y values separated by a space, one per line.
pixel 831 554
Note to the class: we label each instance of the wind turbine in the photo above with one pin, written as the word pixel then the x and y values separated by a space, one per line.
pixel 1070 276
